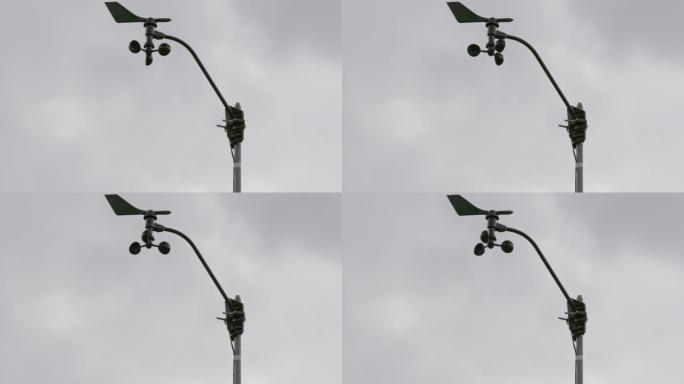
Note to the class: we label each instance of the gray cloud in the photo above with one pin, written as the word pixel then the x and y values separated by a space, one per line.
pixel 316 23
pixel 78 308
pixel 83 114
pixel 419 307
pixel 649 28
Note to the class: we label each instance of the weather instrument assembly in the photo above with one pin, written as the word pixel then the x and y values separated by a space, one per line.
pixel 496 43
pixel 576 309
pixel 123 15
pixel 234 309
pixel 234 116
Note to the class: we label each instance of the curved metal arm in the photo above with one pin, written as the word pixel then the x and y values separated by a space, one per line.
pixel 199 256
pixel 541 62
pixel 541 255
pixel 159 35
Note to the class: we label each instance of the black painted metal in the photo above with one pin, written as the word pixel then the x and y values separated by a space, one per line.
pixel 122 15
pixel 122 207
pixel 577 122
pixel 160 35
pixel 235 117
pixel 465 208
pixel 465 15
pixel 542 257
pixel 235 122
pixel 577 125
pixel 160 228
pixel 235 316
pixel 577 314
pixel 541 62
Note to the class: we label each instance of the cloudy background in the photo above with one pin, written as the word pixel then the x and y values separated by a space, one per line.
pixel 81 113
pixel 422 115
pixel 419 307
pixel 78 308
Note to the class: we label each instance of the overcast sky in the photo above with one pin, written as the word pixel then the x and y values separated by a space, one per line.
pixel 78 308
pixel 422 115
pixel 419 307
pixel 81 113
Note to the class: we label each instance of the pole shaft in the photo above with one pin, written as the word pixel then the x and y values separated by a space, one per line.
pixel 579 356
pixel 579 168
pixel 237 168
pixel 237 355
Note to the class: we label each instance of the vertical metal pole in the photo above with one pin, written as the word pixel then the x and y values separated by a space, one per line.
pixel 579 168
pixel 237 168
pixel 579 356
pixel 237 355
